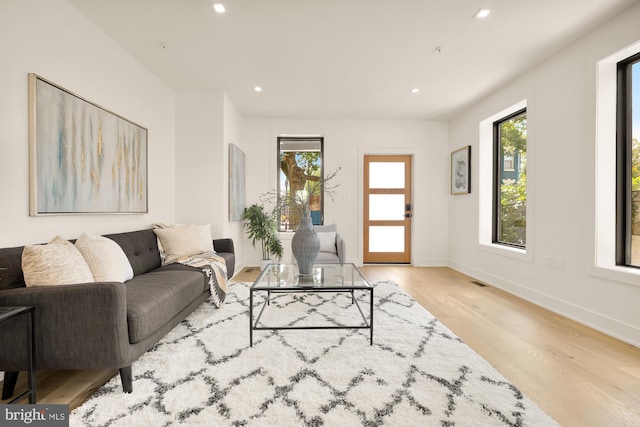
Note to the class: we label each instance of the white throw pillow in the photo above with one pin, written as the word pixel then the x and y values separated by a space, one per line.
pixel 180 241
pixel 57 263
pixel 105 258
pixel 204 234
pixel 327 241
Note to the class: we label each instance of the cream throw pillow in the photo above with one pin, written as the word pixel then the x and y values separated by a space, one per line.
pixel 180 241
pixel 57 263
pixel 204 235
pixel 105 258
pixel 327 241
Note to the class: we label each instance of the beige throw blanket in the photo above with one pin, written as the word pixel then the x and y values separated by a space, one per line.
pixel 215 268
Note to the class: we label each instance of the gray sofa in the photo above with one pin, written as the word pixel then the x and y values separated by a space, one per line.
pixel 101 325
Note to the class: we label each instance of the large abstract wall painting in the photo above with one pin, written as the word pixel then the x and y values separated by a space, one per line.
pixel 83 158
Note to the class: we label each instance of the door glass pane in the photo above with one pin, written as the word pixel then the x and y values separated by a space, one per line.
pixel 386 239
pixel 386 207
pixel 386 175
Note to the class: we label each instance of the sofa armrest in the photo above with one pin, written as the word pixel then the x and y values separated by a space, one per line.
pixel 82 326
pixel 341 249
pixel 223 245
pixel 225 248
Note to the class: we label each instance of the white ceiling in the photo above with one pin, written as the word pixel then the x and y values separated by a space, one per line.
pixel 345 58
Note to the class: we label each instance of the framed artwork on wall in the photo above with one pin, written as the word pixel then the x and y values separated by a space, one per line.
pixel 236 183
pixel 83 159
pixel 461 170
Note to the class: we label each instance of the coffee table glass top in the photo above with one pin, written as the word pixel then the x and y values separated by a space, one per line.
pixel 324 276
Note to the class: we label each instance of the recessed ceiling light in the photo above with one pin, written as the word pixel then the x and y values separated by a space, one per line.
pixel 257 89
pixel 415 90
pixel 482 13
pixel 218 7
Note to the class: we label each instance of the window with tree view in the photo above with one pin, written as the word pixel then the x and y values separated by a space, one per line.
pixel 299 176
pixel 510 180
pixel 628 163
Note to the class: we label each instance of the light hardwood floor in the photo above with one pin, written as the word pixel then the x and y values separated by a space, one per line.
pixel 577 375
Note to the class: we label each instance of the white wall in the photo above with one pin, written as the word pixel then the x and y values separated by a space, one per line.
pixel 198 159
pixel 206 123
pixel 233 134
pixel 562 122
pixel 346 142
pixel 52 39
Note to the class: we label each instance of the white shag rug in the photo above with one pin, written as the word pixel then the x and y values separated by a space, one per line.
pixel 417 373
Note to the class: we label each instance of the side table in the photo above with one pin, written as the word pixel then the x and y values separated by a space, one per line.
pixel 7 313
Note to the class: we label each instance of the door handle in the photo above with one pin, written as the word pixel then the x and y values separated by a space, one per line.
pixel 408 215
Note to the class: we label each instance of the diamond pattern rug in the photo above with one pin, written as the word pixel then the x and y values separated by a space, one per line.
pixel 417 373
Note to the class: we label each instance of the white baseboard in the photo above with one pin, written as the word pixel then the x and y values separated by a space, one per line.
pixel 605 324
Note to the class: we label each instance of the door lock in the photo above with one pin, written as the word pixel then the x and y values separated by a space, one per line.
pixel 407 209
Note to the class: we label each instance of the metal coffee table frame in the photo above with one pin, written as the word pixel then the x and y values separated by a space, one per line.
pixel 276 286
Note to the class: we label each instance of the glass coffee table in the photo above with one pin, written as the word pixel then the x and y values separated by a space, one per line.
pixel 285 279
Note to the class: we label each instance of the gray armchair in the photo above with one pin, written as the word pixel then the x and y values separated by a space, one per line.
pixel 332 248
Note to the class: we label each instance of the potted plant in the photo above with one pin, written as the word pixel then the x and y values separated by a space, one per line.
pixel 262 226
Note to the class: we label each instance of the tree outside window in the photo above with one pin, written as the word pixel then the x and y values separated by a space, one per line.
pixel 300 168
pixel 510 178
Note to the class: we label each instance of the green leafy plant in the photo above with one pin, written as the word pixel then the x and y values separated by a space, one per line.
pixel 262 226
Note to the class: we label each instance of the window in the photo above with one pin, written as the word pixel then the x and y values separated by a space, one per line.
pixel 628 163
pixel 510 180
pixel 300 165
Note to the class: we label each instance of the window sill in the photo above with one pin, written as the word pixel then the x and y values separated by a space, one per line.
pixel 628 275
pixel 507 251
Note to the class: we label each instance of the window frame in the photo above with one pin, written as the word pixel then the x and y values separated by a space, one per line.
pixel 603 263
pixel 498 162
pixel 624 141
pixel 309 138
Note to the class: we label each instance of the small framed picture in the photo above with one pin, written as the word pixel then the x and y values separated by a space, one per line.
pixel 461 170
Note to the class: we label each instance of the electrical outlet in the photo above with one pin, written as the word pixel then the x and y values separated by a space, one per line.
pixel 559 263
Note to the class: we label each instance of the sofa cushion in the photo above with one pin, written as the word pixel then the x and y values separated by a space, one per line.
pixel 141 248
pixel 329 227
pixel 327 258
pixel 153 299
pixel 105 258
pixel 11 275
pixel 57 263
